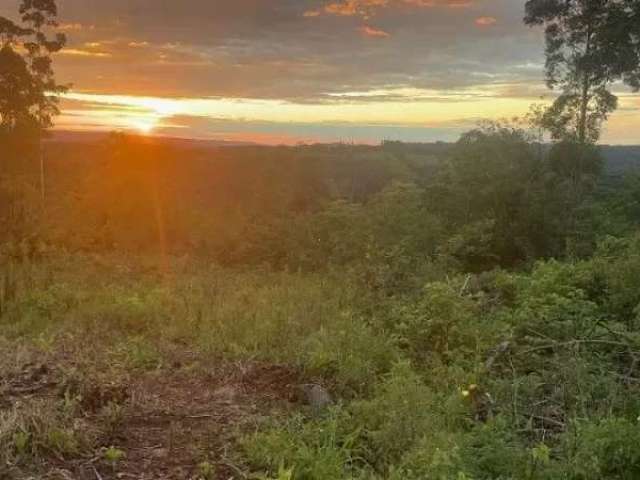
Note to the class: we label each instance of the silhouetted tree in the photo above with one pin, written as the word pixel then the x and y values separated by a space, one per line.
pixel 28 102
pixel 28 90
pixel 589 45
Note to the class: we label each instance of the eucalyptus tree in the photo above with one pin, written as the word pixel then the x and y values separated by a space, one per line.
pixel 28 90
pixel 590 45
pixel 29 96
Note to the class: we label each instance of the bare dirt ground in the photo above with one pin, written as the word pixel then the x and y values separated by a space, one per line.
pixel 165 422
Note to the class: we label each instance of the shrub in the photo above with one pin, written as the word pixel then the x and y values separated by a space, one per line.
pixel 443 325
pixel 349 353
pixel 320 449
pixel 606 448
pixel 435 457
pixel 402 411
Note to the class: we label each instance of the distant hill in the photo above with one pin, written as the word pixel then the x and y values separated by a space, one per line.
pixel 621 159
pixel 68 136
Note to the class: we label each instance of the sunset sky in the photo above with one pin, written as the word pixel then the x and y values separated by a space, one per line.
pixel 283 71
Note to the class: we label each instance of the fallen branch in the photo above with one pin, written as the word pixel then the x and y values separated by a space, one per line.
pixel 573 342
pixel 552 421
pixel 464 286
pixel 95 470
pixel 234 467
pixel 497 352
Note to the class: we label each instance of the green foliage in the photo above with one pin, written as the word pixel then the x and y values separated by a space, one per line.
pixel 571 339
pixel 206 470
pixel 320 449
pixel 564 358
pixel 496 195
pixel 495 198
pixel 32 430
pixel 443 325
pixel 618 260
pixel 347 443
pixel 138 353
pixel 351 353
pixel 565 353
pixel 435 457
pixel 402 410
pixel 494 451
pixel 113 455
pixel 606 448
pixel 551 303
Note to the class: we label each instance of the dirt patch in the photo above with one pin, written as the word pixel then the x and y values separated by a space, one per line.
pixel 165 424
pixel 179 420
pixel 36 379
pixel 276 382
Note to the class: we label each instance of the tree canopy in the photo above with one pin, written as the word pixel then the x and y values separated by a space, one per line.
pixel 28 89
pixel 590 44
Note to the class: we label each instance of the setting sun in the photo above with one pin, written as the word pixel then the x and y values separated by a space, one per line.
pixel 144 125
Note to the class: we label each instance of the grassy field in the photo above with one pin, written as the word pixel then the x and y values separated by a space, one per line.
pixel 133 367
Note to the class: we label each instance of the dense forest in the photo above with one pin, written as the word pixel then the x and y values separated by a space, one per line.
pixel 275 205
pixel 465 311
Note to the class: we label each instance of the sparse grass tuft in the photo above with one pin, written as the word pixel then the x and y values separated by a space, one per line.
pixel 31 431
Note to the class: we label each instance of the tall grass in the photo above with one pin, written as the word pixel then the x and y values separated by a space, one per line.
pixel 253 314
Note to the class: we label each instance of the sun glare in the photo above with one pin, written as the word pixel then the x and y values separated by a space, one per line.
pixel 144 126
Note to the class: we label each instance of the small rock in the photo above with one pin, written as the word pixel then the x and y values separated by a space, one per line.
pixel 160 453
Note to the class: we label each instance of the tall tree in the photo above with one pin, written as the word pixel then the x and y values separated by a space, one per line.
pixel 590 44
pixel 28 90
pixel 28 103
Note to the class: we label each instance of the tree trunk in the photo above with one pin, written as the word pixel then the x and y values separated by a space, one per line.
pixel 584 104
pixel 584 97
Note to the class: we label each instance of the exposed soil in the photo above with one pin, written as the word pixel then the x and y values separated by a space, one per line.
pixel 168 421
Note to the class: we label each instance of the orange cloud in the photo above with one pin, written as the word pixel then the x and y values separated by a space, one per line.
pixel 440 3
pixel 368 31
pixel 75 27
pixel 76 52
pixel 368 8
pixel 354 7
pixel 486 21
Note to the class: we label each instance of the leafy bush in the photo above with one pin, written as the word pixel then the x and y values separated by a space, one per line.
pixel 435 457
pixel 349 353
pixel 319 449
pixel 606 448
pixel 401 412
pixel 442 325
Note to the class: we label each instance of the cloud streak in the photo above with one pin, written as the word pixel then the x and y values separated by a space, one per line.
pixel 368 31
pixel 391 62
pixel 368 8
pixel 486 21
